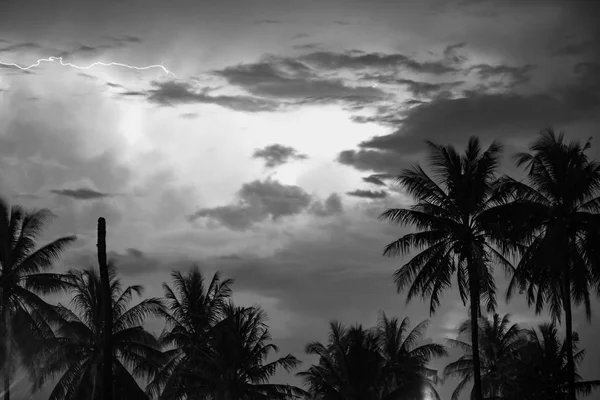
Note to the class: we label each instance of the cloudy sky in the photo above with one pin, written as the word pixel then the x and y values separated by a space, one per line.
pixel 265 152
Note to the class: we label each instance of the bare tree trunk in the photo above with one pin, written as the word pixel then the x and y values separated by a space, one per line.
pixel 475 313
pixel 106 381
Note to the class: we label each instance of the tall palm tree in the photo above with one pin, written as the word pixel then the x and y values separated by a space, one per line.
pixel 24 274
pixel 541 371
pixel 556 215
pixel 237 368
pixel 76 352
pixel 499 343
pixel 372 364
pixel 193 311
pixel 455 232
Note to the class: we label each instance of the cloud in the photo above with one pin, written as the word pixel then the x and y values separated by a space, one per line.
pixel 170 93
pixel 508 75
pixel 81 193
pixel 308 46
pixel 373 160
pixel 111 43
pixel 293 80
pixel 489 116
pixel 368 194
pixel 276 154
pixel 26 46
pixel 359 60
pixel 258 201
pixel 376 179
pixel 332 206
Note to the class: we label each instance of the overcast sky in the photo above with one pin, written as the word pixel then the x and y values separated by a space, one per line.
pixel 265 153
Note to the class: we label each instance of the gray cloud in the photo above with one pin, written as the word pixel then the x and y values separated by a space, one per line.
pixel 276 154
pixel 376 179
pixel 258 201
pixel 510 76
pixel 81 193
pixel 359 60
pixel 331 206
pixel 506 115
pixel 172 93
pixel 368 194
pixel 290 79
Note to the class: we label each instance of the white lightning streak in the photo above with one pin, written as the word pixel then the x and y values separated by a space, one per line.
pixel 67 64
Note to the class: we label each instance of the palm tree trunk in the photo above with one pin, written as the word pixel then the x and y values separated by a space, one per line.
pixel 569 336
pixel 107 381
pixel 8 348
pixel 474 300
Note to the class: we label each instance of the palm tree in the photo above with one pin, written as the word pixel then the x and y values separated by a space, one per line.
pixel 498 345
pixel 193 311
pixel 237 368
pixel 23 276
pixel 556 216
pixel 541 368
pixel 350 366
pixel 372 364
pixel 456 234
pixel 76 353
pixel 406 361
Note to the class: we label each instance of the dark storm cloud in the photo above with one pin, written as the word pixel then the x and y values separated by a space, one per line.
pixel 374 179
pixel 416 88
pixel 258 201
pixel 511 75
pixel 373 160
pixel 331 206
pixel 368 194
pixel 489 116
pixel 290 79
pixel 172 93
pixel 81 193
pixel 359 60
pixel 385 119
pixel 276 154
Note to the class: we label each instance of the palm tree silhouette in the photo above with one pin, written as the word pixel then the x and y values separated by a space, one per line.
pixel 556 218
pixel 193 311
pixel 499 343
pixel 372 364
pixel 23 276
pixel 456 231
pixel 76 353
pixel 541 368
pixel 237 368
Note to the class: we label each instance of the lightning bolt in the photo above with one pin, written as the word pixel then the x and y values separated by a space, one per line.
pixel 68 64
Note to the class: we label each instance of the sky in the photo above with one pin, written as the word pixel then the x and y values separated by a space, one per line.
pixel 266 152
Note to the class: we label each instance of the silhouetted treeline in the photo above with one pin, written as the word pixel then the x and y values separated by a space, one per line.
pixel 468 218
